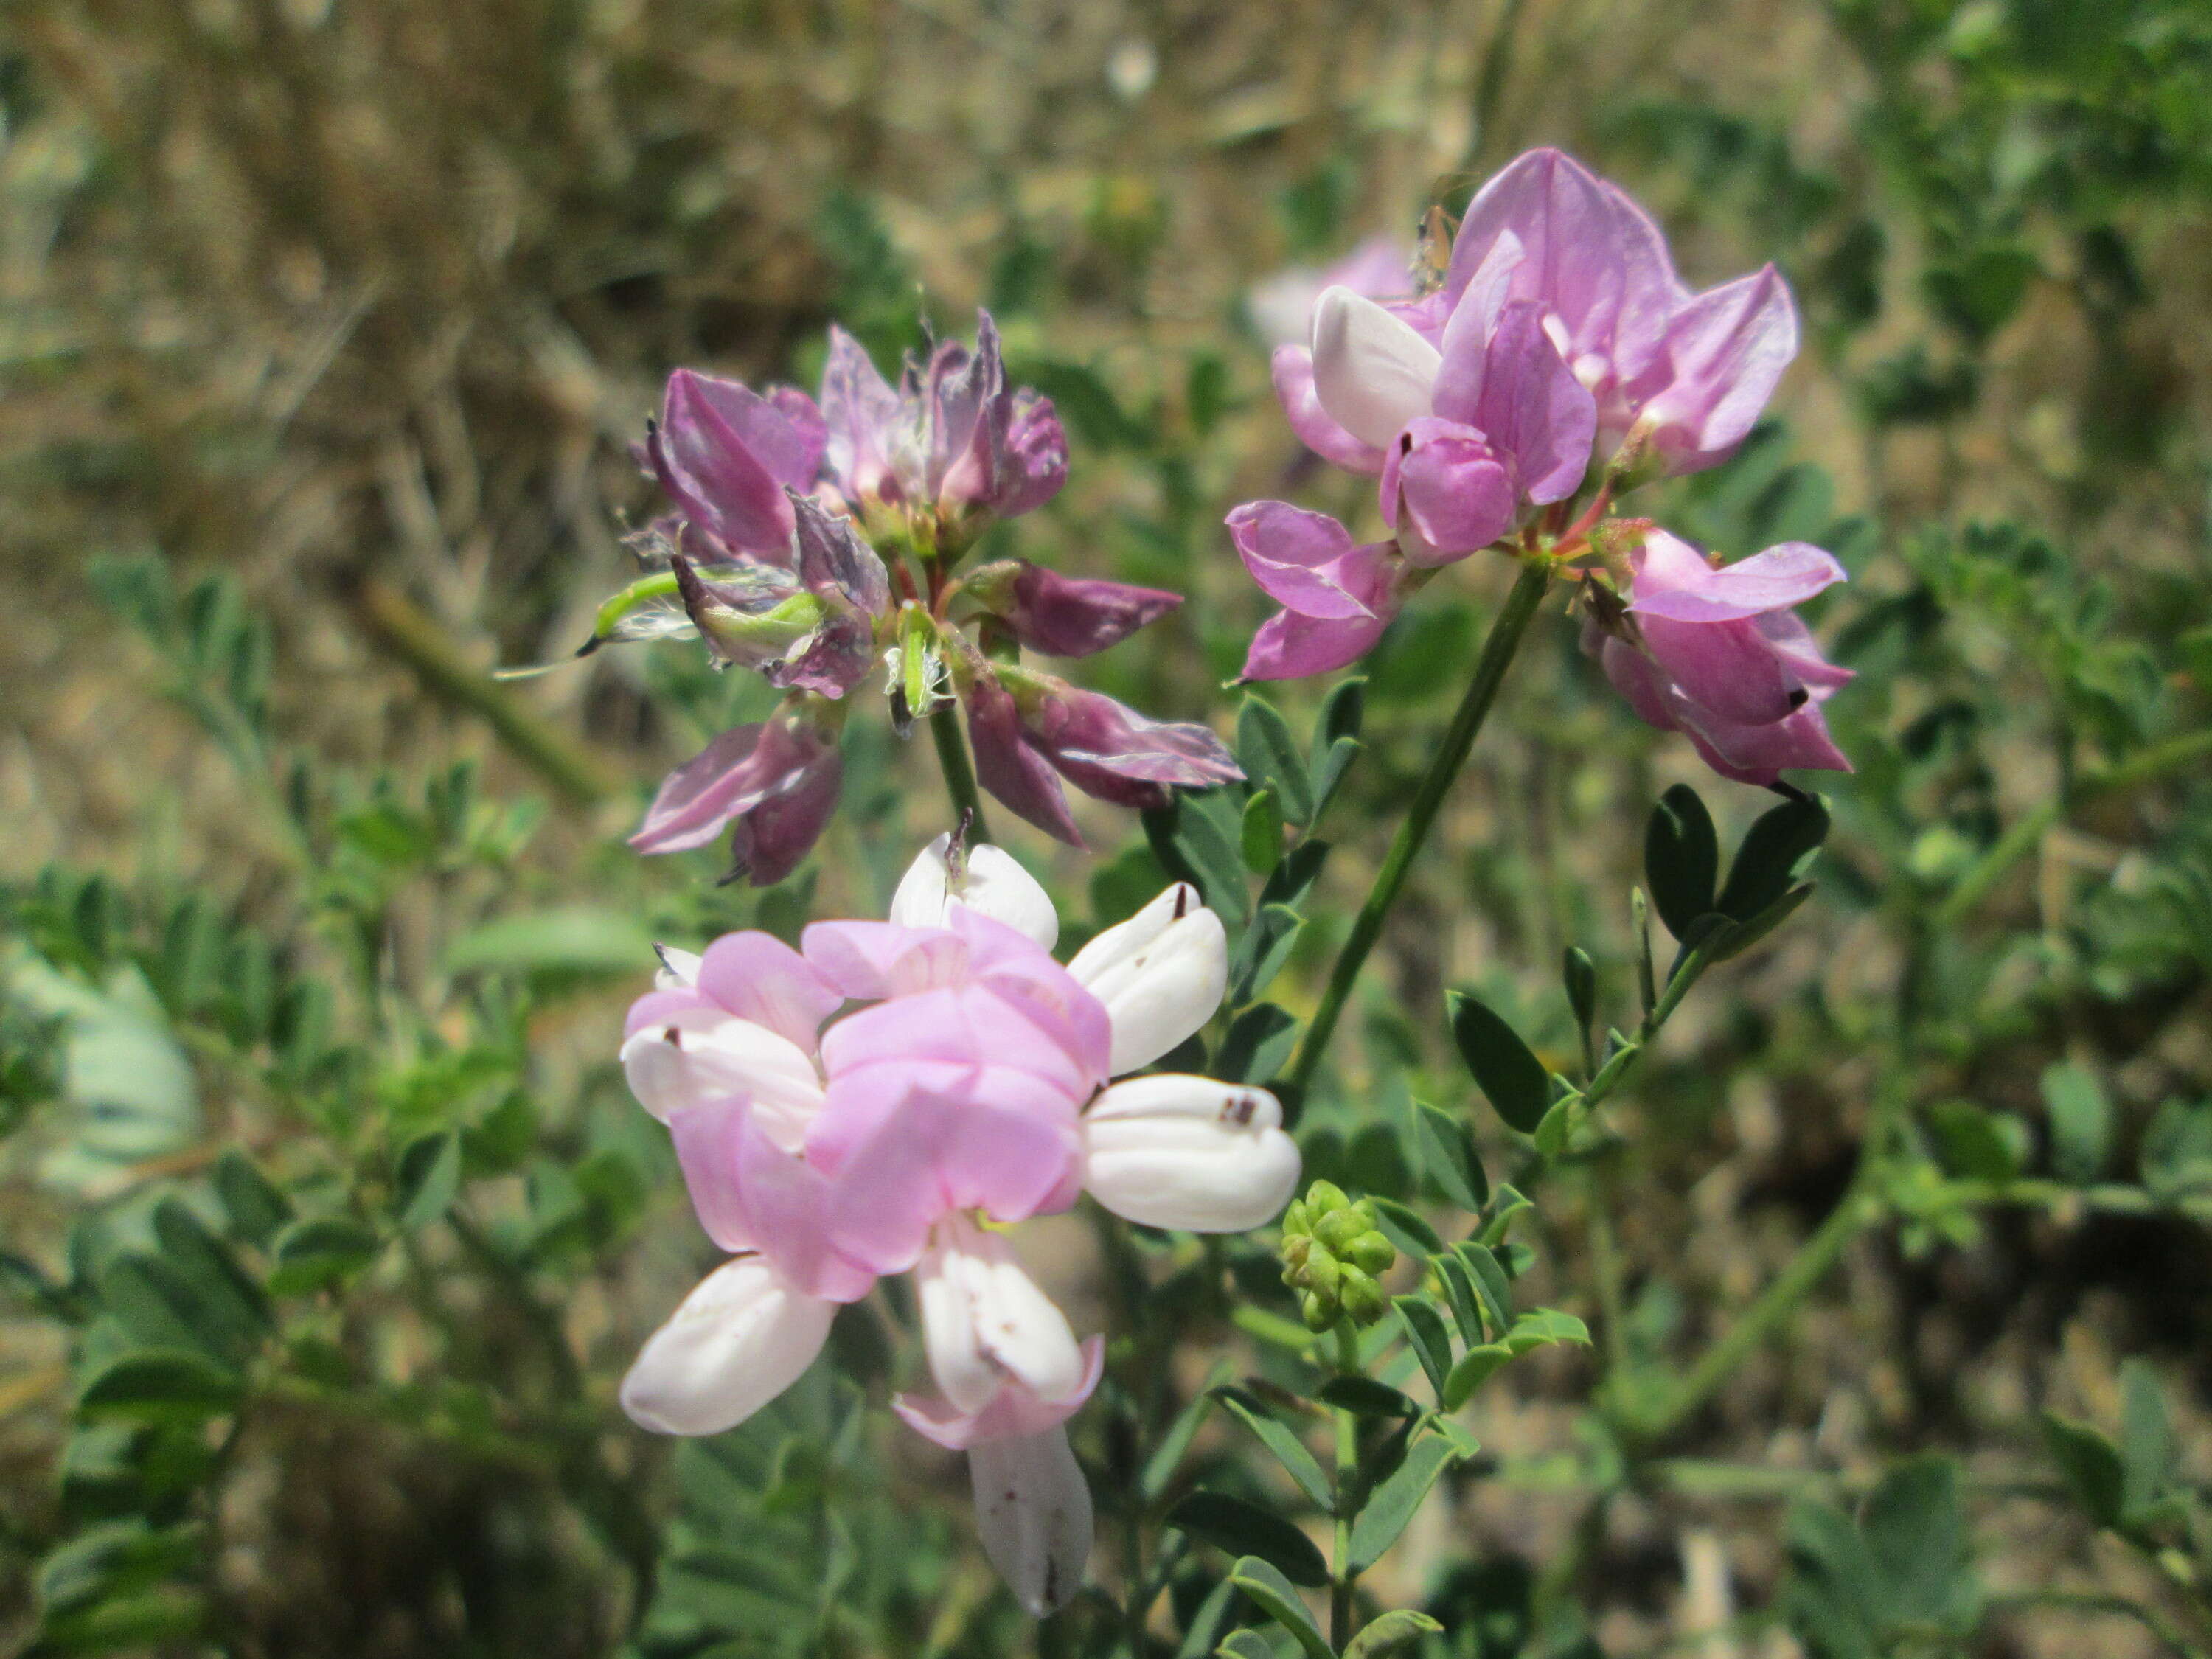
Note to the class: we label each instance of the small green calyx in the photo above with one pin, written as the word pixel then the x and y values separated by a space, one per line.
pixel 1334 1256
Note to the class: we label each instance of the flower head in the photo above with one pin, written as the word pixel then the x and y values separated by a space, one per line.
pixel 1717 651
pixel 951 440
pixel 1559 336
pixel 814 544
pixel 886 1098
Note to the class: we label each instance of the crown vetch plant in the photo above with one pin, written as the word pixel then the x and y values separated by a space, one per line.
pixel 864 1112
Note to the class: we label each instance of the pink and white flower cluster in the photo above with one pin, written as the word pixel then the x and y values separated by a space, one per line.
pixel 1561 358
pixel 886 1099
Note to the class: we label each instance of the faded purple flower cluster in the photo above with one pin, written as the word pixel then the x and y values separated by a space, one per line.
pixel 815 542
pixel 1560 362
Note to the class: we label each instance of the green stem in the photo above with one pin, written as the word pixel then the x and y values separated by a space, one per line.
pixel 959 776
pixel 404 630
pixel 1444 770
pixel 1347 1472
pixel 2028 832
pixel 1856 1210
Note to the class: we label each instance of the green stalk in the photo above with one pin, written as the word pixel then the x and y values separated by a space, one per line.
pixel 959 776
pixel 2025 835
pixel 1451 754
pixel 1861 1206
pixel 1347 1472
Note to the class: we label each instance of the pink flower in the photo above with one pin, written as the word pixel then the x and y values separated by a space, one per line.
pixel 1064 616
pixel 1718 653
pixel 1031 730
pixel 777 781
pixel 861 1106
pixel 1466 433
pixel 1687 373
pixel 1676 374
pixel 1337 598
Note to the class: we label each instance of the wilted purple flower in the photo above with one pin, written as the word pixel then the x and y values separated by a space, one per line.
pixel 1027 726
pixel 773 554
pixel 1717 654
pixel 1337 598
pixel 778 780
pixel 727 455
pixel 952 440
pixel 1064 616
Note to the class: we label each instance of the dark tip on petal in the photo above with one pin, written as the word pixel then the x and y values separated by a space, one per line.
pixel 1799 697
pixel 673 1036
pixel 1183 899
pixel 590 645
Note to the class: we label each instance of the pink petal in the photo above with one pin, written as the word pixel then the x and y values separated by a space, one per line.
pixel 1014 1413
pixel 1447 480
pixel 1800 654
pixel 1527 402
pixel 782 431
pixel 1292 555
pixel 757 976
pixel 708 468
pixel 1760 754
pixel 659 1007
pixel 1316 430
pixel 706 1139
pixel 1726 668
pixel 871 960
pixel 1725 352
pixel 1013 772
pixel 1672 581
pixel 1290 647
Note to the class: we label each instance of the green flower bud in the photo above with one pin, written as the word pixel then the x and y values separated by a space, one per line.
pixel 1323 1196
pixel 1295 1253
pixel 1371 1253
pixel 1362 1296
pixel 1365 1209
pixel 1322 1274
pixel 1319 1313
pixel 1295 1224
pixel 1339 1228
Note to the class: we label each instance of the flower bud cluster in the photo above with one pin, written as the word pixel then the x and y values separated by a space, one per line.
pixel 1334 1257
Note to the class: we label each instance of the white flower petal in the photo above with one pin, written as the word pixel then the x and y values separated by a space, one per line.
pixel 984 1320
pixel 992 885
pixel 679 969
pixel 1161 975
pixel 1189 1153
pixel 702 1054
pixel 1371 372
pixel 1033 1511
pixel 735 1343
